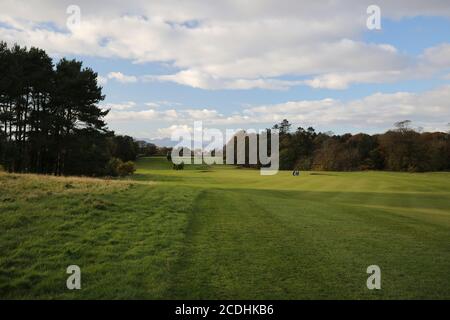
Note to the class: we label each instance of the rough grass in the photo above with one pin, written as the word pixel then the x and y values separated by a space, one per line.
pixel 219 232
pixel 124 236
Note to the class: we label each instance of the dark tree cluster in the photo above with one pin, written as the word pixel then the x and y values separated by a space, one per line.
pixel 399 149
pixel 147 149
pixel 50 121
pixel 124 148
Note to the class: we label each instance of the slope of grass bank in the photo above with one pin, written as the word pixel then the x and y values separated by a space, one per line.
pixel 219 232
pixel 124 236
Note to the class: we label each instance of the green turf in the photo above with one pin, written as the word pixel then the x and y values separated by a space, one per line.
pixel 225 233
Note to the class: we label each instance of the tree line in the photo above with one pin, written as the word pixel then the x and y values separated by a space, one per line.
pixel 50 119
pixel 402 148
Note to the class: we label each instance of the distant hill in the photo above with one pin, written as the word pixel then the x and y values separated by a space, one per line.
pixel 164 142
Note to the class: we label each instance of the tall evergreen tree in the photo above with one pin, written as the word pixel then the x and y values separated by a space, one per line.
pixel 49 116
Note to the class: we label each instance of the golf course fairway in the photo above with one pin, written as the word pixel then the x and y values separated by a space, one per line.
pixel 219 232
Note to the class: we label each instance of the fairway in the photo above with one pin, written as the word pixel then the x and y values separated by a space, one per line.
pixel 219 232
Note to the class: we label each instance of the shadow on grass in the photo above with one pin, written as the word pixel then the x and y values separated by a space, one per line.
pixel 155 177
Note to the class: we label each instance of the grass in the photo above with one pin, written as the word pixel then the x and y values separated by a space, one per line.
pixel 225 233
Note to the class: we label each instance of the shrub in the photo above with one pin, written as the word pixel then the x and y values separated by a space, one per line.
pixel 178 166
pixel 126 168
pixel 117 167
pixel 112 168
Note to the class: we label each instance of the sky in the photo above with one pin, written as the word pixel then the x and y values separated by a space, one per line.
pixel 249 64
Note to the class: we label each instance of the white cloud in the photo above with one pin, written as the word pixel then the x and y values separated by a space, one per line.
pixel 228 44
pixel 438 56
pixel 117 115
pixel 102 80
pixel 152 105
pixel 427 109
pixel 343 80
pixel 120 106
pixel 162 103
pixel 376 113
pixel 132 115
pixel 167 132
pixel 201 114
pixel 120 77
pixel 197 79
pixel 385 65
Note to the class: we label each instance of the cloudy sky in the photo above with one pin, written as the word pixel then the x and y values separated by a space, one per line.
pixel 249 64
